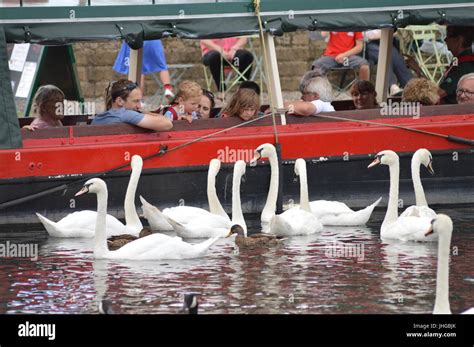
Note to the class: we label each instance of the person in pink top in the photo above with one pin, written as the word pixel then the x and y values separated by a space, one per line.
pixel 234 52
pixel 48 108
pixel 342 50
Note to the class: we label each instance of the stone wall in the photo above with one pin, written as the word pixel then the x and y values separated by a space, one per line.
pixel 295 52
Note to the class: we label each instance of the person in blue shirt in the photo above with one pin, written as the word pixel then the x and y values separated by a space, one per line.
pixel 123 102
pixel 153 60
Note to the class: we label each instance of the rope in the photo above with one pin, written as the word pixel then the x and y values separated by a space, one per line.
pixel 163 150
pixel 256 4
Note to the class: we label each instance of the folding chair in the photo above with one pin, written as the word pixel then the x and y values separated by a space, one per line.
pixel 433 63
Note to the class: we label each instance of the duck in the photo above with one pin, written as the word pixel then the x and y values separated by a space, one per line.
pixel 152 247
pixel 421 209
pixel 115 242
pixel 185 214
pixel 82 223
pixel 254 240
pixel 212 225
pixel 295 221
pixel 394 227
pixel 443 226
pixel 190 303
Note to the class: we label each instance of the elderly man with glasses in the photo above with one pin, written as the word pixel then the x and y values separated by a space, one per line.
pixel 459 40
pixel 465 90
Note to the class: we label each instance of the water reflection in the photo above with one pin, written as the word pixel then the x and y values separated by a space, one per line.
pixel 341 270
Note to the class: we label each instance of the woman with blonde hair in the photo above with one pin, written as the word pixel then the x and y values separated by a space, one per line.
pixel 422 91
pixel 48 108
pixel 245 103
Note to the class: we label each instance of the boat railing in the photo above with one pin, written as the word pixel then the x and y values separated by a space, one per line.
pixel 464 112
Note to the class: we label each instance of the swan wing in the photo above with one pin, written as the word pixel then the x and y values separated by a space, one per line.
pixel 142 245
pixel 409 229
pixel 201 227
pixel 351 218
pixel 322 207
pixel 295 221
pixel 81 224
pixel 171 248
pixel 155 217
pixel 184 214
pixel 418 211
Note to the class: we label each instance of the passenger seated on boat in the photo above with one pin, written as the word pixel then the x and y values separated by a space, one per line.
pixel 459 40
pixel 342 50
pixel 206 104
pixel 217 53
pixel 48 108
pixel 364 95
pixel 465 90
pixel 186 103
pixel 245 103
pixel 316 96
pixel 123 102
pixel 421 90
pixel 398 69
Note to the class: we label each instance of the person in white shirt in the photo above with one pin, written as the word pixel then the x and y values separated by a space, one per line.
pixel 316 96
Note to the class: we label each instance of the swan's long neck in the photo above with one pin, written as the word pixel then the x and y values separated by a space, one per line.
pixel 237 215
pixel 215 206
pixel 100 247
pixel 304 197
pixel 131 216
pixel 392 207
pixel 442 275
pixel 270 206
pixel 415 175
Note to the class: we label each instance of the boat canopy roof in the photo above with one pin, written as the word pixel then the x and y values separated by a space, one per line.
pixel 42 21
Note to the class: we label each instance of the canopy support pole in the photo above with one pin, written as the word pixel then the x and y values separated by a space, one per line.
pixel 135 65
pixel 271 70
pixel 384 65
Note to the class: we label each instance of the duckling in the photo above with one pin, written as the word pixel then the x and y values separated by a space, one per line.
pixel 118 241
pixel 254 240
pixel 190 303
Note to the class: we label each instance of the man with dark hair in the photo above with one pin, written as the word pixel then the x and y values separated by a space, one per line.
pixel 459 40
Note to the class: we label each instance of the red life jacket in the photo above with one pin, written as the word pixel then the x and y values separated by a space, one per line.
pixel 165 108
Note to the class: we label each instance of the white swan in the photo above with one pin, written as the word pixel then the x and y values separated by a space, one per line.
pixel 184 214
pixel 394 227
pixel 338 213
pixel 82 223
pixel 212 225
pixel 295 221
pixel 442 225
pixel 421 209
pixel 155 246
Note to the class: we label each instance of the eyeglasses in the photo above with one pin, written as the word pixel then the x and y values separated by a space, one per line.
pixel 468 93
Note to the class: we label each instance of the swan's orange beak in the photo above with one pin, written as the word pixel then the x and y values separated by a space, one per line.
pixel 255 158
pixel 430 168
pixel 430 231
pixel 375 162
pixel 84 190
